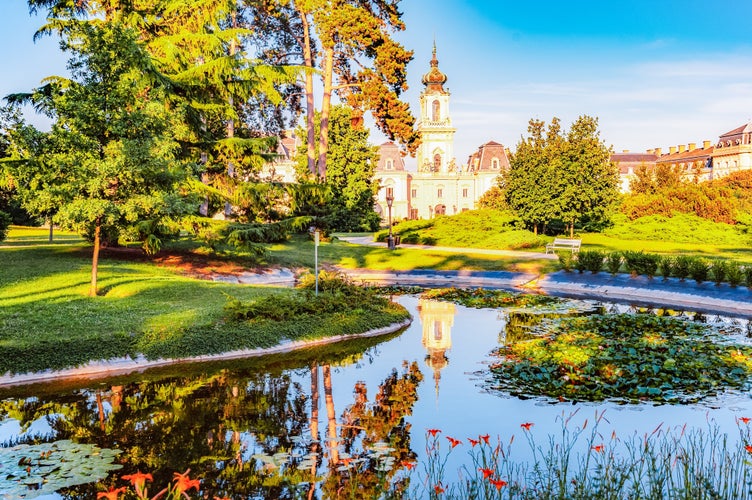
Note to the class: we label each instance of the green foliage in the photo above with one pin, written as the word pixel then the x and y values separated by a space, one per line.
pixel 625 358
pixel 590 260
pixel 719 270
pixel 481 298
pixel 699 269
pixel 677 227
pixel 5 222
pixel 666 265
pixel 641 263
pixel 682 265
pixel 566 260
pixel 613 262
pixel 566 176
pixel 748 276
pixel 734 273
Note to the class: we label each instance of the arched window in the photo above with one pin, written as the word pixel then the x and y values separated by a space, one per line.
pixel 437 162
pixel 389 164
pixel 436 111
pixel 495 163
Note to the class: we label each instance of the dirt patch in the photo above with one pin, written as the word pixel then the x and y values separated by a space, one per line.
pixel 189 264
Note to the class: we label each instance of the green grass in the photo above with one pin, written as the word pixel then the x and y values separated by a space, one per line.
pixel 48 321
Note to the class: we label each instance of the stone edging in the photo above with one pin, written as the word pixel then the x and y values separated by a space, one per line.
pixel 122 366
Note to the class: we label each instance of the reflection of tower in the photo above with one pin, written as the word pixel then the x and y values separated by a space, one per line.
pixel 437 319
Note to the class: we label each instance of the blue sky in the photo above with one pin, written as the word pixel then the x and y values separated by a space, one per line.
pixel 656 73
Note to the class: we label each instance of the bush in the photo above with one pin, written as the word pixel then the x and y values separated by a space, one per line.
pixel 699 269
pixel 5 222
pixel 718 269
pixel 666 265
pixel 681 266
pixel 748 276
pixel 566 260
pixel 734 273
pixel 592 260
pixel 641 263
pixel 613 262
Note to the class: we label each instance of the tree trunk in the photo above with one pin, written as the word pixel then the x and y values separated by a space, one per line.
pixel 49 219
pixel 571 229
pixel 331 416
pixel 314 425
pixel 535 229
pixel 95 258
pixel 326 104
pixel 310 105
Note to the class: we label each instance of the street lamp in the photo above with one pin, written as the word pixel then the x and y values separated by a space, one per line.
pixel 390 238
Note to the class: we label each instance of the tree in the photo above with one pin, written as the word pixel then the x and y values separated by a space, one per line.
pixel 351 163
pixel 561 176
pixel 109 160
pixel 346 34
pixel 589 180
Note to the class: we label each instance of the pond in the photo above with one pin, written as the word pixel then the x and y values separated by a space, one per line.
pixel 245 427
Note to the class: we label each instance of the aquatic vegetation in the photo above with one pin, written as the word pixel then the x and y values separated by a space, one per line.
pixel 622 357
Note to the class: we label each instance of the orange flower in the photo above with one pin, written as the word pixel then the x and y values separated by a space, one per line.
pixel 453 442
pixel 744 420
pixel 408 465
pixel 499 483
pixel 433 432
pixel 748 448
pixel 598 448
pixel 484 437
pixel 438 489
pixel 112 494
pixel 486 472
pixel 138 481
pixel 526 425
pixel 184 483
pixel 473 442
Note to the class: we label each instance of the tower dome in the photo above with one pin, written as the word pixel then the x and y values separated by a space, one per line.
pixel 434 80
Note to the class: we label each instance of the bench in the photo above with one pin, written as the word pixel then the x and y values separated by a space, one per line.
pixel 563 244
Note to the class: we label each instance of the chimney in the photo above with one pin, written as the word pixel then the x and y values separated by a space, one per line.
pixel 671 150
pixel 625 151
pixel 682 148
pixel 705 144
pixel 649 151
pixel 658 151
pixel 692 146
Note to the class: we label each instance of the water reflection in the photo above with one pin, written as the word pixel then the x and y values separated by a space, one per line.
pixel 346 420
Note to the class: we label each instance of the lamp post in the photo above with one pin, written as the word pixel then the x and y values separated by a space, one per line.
pixel 390 238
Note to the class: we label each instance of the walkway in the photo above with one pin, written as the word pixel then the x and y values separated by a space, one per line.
pixel 689 295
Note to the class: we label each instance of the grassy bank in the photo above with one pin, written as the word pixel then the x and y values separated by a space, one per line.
pixel 47 320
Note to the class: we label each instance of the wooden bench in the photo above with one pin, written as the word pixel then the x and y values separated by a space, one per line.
pixel 563 244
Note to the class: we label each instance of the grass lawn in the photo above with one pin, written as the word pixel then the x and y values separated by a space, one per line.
pixel 48 321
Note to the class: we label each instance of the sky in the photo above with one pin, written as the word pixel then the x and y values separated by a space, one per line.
pixel 656 73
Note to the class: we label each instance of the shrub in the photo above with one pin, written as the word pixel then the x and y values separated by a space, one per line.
pixel 718 269
pixel 734 273
pixel 666 265
pixel 579 263
pixel 699 269
pixel 681 266
pixel 748 276
pixel 5 221
pixel 641 263
pixel 566 260
pixel 592 260
pixel 613 262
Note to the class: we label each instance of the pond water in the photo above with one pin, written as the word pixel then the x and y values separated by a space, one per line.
pixel 240 425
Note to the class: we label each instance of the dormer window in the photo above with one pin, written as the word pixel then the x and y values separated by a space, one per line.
pixel 390 164
pixel 495 163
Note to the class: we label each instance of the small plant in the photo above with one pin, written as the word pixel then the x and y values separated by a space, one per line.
pixel 566 260
pixel 748 276
pixel 592 260
pixel 666 265
pixel 699 269
pixel 719 270
pixel 5 222
pixel 681 266
pixel 734 273
pixel 641 263
pixel 613 262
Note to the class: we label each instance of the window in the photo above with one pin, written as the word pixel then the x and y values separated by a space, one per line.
pixel 464 192
pixel 414 193
pixel 439 193
pixel 495 163
pixel 389 164
pixel 390 192
pixel 413 213
pixel 436 162
pixel 436 111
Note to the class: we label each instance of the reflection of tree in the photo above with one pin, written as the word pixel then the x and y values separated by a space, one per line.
pixel 361 472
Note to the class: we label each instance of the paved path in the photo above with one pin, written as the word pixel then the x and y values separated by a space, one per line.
pixel 704 297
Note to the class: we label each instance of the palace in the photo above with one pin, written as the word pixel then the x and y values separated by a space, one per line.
pixel 438 186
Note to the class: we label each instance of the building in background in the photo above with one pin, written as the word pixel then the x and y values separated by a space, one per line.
pixel 437 185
